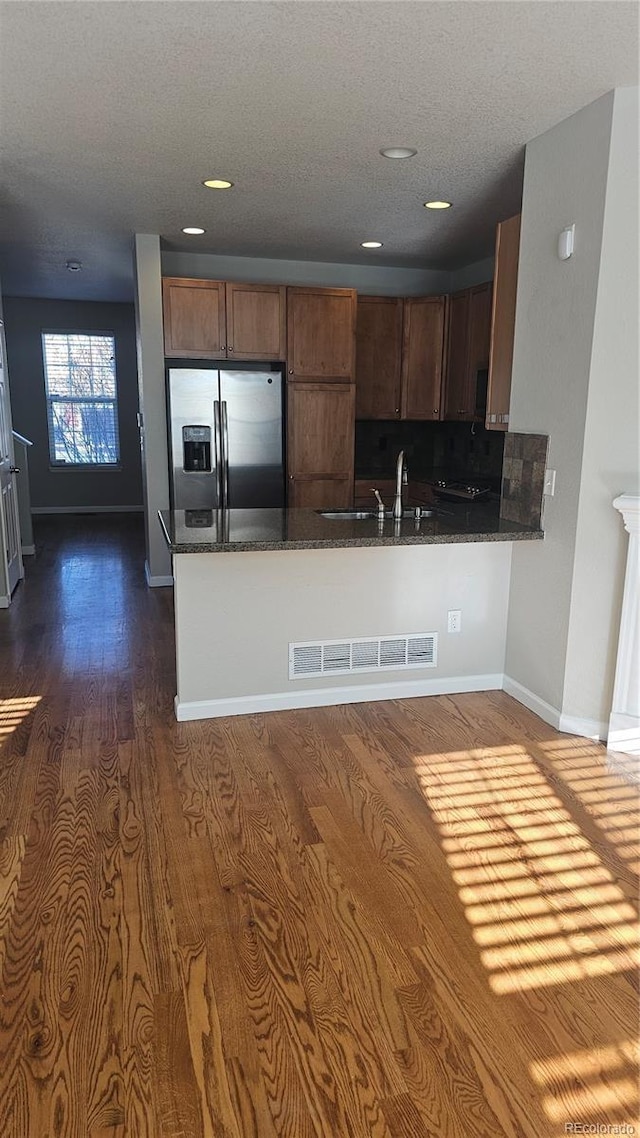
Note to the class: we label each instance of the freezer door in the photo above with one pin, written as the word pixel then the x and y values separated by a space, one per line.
pixel 252 438
pixel 194 438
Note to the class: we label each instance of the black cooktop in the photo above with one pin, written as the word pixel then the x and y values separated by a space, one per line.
pixel 461 491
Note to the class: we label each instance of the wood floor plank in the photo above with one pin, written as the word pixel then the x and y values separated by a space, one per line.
pixel 443 1082
pixel 176 1092
pixel 393 920
pixel 367 960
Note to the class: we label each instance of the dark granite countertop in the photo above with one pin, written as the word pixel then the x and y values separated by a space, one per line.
pixel 235 531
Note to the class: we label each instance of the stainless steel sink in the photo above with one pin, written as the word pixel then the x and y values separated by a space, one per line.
pixel 349 515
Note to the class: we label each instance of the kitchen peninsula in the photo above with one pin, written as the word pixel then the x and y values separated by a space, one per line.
pixel 286 608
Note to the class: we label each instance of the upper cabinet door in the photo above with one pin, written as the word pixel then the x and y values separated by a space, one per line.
pixel 479 329
pixel 256 322
pixel 194 318
pixel 467 353
pixel 321 327
pixel 503 322
pixel 378 357
pixel 422 355
pixel 457 392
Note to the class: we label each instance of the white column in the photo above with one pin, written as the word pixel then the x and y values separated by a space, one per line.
pixel 624 724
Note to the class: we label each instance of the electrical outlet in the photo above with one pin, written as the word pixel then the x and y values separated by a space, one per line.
pixel 454 620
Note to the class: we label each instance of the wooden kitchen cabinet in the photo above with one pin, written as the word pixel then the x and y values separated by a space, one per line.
pixel 422 356
pixel 399 357
pixel 503 319
pixel 455 387
pixel 378 357
pixel 194 318
pixel 319 492
pixel 256 322
pixel 320 443
pixel 223 320
pixel 468 338
pixel 321 334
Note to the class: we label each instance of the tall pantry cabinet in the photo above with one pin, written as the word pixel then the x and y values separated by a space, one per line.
pixel 321 325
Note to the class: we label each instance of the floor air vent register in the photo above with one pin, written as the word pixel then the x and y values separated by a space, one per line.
pixel 377 654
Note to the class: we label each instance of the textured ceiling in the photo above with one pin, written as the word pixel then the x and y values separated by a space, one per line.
pixel 113 113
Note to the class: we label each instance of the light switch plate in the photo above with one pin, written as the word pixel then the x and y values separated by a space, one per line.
pixel 549 483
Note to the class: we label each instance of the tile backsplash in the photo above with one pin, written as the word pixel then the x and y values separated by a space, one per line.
pixel 434 450
pixel 525 460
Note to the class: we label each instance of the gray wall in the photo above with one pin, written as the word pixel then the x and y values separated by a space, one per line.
pixel 574 368
pixel 25 320
pixel 153 404
pixel 469 275
pixel 372 280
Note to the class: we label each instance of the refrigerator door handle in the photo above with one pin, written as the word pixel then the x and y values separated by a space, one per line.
pixel 225 455
pixel 218 455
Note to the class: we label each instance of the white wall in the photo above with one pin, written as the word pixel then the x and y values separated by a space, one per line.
pixel 152 399
pixel 570 382
pixel 611 448
pixel 302 595
pixel 373 280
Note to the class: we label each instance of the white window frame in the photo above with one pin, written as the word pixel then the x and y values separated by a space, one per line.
pixel 69 464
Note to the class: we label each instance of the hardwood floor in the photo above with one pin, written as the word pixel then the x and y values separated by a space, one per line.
pixel 389 920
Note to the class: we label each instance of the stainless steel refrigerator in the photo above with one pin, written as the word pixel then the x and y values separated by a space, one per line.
pixel 226 436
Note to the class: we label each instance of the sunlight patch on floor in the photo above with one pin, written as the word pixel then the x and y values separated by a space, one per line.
pixel 542 906
pixel 13 711
pixel 609 798
pixel 595 1085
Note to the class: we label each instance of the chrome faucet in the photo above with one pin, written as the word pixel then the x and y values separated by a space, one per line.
pixel 401 480
pixel 380 503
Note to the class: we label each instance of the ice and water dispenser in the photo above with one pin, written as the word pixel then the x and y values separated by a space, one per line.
pixel 196 449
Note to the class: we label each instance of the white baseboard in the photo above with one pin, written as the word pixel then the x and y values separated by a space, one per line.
pixel 589 728
pixel 624 733
pixel 87 509
pixel 533 702
pixel 570 724
pixel 157 582
pixel 326 697
pixel 28 550
pixel 5 602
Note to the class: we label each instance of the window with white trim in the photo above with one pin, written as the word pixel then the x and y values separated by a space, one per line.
pixel 82 398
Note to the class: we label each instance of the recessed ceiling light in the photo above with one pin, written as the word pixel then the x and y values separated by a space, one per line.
pixel 74 266
pixel 371 244
pixel 217 184
pixel 193 229
pixel 398 152
pixel 437 205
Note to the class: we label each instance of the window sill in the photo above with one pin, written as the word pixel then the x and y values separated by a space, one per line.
pixel 86 467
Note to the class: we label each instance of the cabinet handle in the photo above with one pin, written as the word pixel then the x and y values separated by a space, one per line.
pixel 290 371
pixel 397 410
pixel 222 348
pixel 14 470
pixel 435 410
pixel 229 349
